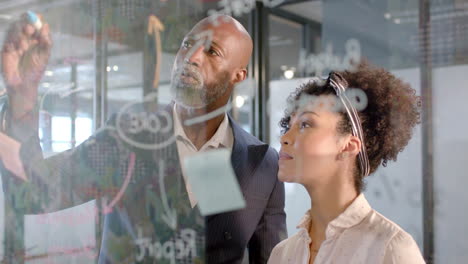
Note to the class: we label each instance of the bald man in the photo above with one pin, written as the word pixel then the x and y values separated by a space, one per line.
pixel 144 227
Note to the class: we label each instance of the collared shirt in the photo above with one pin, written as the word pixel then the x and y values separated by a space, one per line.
pixel 358 235
pixel 223 138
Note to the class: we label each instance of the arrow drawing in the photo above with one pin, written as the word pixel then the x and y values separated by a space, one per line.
pixel 107 208
pixel 154 28
pixel 170 215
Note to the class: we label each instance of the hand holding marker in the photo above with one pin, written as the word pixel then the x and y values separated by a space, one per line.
pixel 34 20
pixel 24 58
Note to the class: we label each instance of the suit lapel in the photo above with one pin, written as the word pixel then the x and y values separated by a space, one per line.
pixel 246 154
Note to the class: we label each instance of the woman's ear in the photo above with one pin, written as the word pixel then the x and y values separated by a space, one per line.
pixel 352 146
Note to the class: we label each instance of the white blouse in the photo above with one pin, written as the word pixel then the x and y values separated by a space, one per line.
pixel 358 235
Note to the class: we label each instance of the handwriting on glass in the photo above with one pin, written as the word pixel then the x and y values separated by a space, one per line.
pixel 176 248
pixel 238 7
pixel 316 64
pixel 143 121
pixel 357 98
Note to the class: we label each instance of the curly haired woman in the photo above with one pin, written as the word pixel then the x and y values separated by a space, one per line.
pixel 329 147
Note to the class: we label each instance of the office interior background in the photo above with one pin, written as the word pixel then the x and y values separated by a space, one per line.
pixel 100 64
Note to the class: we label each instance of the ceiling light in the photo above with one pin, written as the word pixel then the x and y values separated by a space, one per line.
pixel 288 74
pixel 239 101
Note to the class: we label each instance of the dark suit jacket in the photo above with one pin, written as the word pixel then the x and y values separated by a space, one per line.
pixel 101 163
pixel 261 225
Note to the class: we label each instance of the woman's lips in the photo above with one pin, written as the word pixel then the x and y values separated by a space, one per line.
pixel 284 156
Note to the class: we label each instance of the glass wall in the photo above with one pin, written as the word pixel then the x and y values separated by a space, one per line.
pixel 108 76
pixel 93 156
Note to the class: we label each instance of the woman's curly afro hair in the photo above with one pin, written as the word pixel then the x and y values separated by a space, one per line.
pixel 388 120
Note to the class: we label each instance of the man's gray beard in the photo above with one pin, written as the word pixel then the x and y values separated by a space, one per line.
pixel 200 95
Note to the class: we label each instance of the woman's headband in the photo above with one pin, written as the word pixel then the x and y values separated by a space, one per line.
pixel 339 84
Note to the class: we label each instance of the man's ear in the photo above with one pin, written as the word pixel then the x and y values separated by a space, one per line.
pixel 240 75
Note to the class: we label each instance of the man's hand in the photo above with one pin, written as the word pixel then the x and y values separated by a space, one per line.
pixel 25 54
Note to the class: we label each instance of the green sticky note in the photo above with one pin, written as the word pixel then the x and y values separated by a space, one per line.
pixel 213 182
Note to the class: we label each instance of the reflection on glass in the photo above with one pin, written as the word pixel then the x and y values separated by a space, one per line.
pixel 103 63
pixel 122 182
pixel 285 43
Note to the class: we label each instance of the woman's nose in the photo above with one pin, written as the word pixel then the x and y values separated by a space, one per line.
pixel 286 138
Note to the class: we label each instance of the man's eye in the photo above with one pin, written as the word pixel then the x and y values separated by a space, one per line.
pixel 213 52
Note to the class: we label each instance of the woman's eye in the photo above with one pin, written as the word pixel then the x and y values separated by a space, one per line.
pixel 285 129
pixel 304 125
